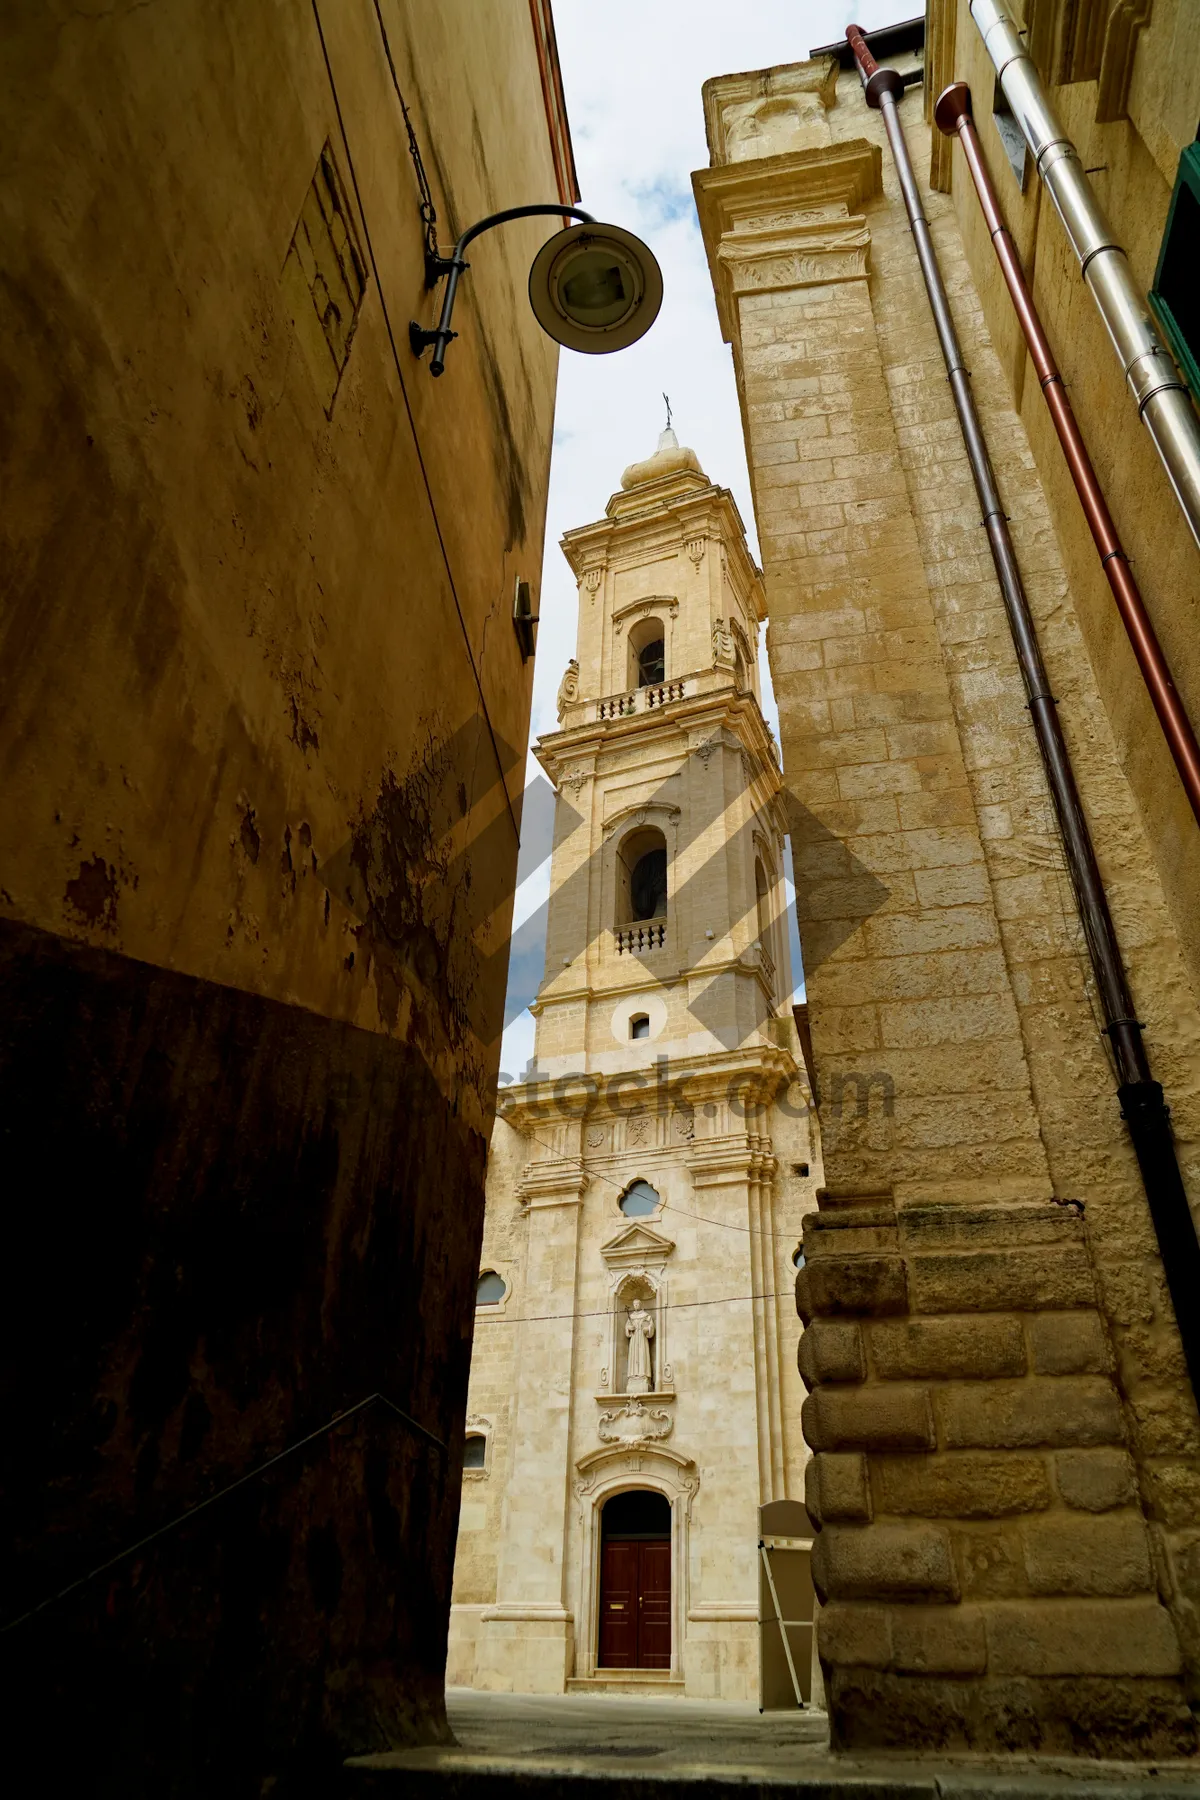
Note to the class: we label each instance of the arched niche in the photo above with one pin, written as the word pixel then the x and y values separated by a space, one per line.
pixel 636 1259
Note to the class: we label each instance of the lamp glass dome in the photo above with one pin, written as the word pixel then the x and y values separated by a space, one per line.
pixel 595 288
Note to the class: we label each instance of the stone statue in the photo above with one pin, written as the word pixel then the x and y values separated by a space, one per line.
pixel 568 688
pixel 722 643
pixel 639 1329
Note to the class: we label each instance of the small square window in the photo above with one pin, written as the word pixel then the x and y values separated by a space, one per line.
pixel 639 1025
pixel 1175 295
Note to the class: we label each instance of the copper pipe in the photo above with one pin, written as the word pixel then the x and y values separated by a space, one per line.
pixel 952 115
pixel 1163 402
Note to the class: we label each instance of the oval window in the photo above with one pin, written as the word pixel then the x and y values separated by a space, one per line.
pixel 798 1257
pixel 639 1200
pixel 491 1290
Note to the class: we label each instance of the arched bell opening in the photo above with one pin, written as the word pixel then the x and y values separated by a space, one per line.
pixel 647 653
pixel 642 877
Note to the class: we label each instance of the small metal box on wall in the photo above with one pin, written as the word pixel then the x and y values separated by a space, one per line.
pixel 785 1606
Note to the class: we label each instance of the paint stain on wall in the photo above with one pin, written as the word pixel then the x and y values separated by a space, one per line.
pixel 92 895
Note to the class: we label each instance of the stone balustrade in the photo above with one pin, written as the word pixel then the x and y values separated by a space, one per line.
pixel 636 940
pixel 659 693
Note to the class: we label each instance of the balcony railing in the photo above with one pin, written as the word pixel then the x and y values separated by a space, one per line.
pixel 636 940
pixel 662 693
pixel 643 699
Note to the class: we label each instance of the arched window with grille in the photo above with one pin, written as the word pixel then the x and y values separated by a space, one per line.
pixel 647 653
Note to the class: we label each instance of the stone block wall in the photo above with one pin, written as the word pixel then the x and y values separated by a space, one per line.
pixel 977 1507
pixel 956 1036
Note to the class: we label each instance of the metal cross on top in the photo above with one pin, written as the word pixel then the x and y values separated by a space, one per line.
pixel 667 403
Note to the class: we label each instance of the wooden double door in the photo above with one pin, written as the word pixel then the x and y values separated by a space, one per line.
pixel 635 1604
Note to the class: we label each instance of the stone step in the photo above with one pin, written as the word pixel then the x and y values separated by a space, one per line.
pixel 659 1682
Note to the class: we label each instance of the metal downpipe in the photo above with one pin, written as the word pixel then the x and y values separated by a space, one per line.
pixel 952 115
pixel 1142 1105
pixel 1162 397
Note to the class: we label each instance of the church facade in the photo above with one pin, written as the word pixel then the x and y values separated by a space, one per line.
pixel 634 1399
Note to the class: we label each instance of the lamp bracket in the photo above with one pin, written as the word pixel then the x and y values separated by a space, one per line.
pixel 452 267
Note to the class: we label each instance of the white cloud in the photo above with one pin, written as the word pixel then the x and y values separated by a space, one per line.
pixel 632 73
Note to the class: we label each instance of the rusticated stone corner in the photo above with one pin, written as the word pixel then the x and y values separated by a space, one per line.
pixel 986 1572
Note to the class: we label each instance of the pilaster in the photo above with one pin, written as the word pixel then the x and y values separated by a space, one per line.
pixel 526 1641
pixel 913 1018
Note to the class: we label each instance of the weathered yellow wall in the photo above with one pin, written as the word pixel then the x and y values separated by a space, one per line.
pixel 262 753
pixel 242 638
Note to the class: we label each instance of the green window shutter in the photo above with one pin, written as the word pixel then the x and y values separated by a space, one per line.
pixel 1175 295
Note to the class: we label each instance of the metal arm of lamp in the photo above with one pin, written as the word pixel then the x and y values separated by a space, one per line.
pixel 453 266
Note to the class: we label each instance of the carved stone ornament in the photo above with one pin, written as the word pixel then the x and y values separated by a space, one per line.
pixel 695 548
pixel 568 689
pixel 634 1423
pixel 722 644
pixel 592 579
pixel 749 274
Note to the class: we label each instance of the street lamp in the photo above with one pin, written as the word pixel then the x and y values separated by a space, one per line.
pixel 592 287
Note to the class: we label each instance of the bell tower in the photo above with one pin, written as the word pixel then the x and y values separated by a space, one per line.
pixel 665 933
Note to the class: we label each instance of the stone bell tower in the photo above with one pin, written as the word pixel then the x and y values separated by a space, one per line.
pixel 663 761
pixel 648 1176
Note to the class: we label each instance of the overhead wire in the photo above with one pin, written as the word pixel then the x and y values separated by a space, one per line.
pixel 605 1312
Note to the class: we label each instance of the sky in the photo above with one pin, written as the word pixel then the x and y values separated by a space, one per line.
pixel 632 72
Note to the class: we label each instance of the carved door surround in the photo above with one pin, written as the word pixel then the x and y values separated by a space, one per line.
pixel 613 1471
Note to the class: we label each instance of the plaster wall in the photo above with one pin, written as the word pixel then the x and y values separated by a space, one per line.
pixel 262 750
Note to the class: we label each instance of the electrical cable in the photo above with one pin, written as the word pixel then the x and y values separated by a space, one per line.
pixel 605 1312
pixel 203 1505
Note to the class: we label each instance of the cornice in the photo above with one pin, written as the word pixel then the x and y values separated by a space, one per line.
pixel 557 1182
pixel 710 512
pixel 640 811
pixel 757 1071
pixel 713 710
pixel 786 221
pixel 645 603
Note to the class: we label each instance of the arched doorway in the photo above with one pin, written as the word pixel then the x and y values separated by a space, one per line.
pixel 635 1581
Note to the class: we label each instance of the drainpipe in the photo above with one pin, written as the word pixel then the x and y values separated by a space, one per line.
pixel 952 115
pixel 1162 398
pixel 1141 1097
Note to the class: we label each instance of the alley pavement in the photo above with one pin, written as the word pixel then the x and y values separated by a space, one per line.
pixel 545 1747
